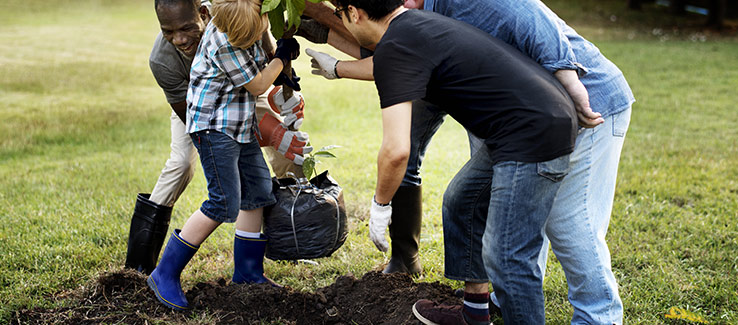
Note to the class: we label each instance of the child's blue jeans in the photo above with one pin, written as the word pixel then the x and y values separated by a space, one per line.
pixel 237 175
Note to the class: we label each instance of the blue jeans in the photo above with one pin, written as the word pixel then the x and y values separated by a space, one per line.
pixel 237 175
pixel 579 220
pixel 519 201
pixel 426 120
pixel 582 206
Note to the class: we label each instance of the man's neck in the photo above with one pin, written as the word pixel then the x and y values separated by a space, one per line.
pixel 381 26
pixel 388 19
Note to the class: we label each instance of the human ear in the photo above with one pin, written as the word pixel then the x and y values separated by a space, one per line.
pixel 204 13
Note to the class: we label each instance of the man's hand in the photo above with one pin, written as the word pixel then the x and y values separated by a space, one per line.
pixel 323 64
pixel 578 93
pixel 291 110
pixel 292 144
pixel 312 31
pixel 380 217
pixel 587 118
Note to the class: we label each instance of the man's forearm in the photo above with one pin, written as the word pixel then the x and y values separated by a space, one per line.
pixel 570 80
pixel 348 46
pixel 356 69
pixel 180 109
pixel 390 171
pixel 268 44
pixel 324 15
pixel 395 150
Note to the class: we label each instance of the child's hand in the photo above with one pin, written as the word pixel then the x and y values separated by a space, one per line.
pixel 287 50
pixel 283 79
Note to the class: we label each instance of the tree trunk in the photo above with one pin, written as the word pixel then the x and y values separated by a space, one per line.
pixel 287 92
pixel 716 14
pixel 634 4
pixel 679 7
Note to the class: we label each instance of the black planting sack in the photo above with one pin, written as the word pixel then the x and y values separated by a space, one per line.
pixel 308 220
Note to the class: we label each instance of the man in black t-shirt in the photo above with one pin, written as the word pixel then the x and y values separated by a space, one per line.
pixel 528 124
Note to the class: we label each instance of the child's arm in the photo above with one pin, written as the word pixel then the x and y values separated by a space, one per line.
pixel 287 49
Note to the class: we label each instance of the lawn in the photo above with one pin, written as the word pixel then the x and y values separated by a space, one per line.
pixel 87 129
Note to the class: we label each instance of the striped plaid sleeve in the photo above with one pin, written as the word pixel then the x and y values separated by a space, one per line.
pixel 237 64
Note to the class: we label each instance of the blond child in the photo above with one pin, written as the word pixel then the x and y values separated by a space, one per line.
pixel 229 70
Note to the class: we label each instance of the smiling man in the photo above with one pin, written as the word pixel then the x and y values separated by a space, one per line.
pixel 182 24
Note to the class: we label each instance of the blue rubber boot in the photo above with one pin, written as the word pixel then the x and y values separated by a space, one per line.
pixel 248 258
pixel 165 278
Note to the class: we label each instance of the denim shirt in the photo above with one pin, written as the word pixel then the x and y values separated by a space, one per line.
pixel 535 30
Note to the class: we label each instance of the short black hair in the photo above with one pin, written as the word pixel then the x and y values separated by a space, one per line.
pixel 376 9
pixel 194 3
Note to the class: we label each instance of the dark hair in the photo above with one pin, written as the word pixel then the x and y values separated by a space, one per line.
pixel 376 9
pixel 194 3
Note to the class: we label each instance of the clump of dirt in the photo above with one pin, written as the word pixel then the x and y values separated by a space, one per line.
pixel 123 297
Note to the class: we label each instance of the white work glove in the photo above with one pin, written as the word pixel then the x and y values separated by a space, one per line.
pixel 323 64
pixel 379 218
pixel 291 144
pixel 291 110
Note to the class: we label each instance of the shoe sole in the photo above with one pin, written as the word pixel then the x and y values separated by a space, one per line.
pixel 421 318
pixel 150 282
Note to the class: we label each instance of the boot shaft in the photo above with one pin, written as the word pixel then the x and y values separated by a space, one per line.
pixel 407 217
pixel 248 259
pixel 177 254
pixel 149 225
pixel 165 279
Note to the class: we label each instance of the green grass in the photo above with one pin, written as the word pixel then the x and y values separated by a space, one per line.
pixel 86 128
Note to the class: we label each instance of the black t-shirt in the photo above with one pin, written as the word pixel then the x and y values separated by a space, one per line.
pixel 493 90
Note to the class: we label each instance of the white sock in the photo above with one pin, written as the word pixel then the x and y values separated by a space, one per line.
pixel 248 234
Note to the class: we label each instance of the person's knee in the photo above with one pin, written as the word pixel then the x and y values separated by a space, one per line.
pixel 450 198
pixel 181 164
pixel 232 210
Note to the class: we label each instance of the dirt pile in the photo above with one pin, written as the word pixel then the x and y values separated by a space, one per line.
pixel 123 297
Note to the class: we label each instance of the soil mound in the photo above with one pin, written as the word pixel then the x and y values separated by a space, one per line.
pixel 123 297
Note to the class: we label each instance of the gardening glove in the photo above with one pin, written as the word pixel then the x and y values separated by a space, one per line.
pixel 283 79
pixel 291 110
pixel 291 144
pixel 287 50
pixel 323 64
pixel 312 31
pixel 379 218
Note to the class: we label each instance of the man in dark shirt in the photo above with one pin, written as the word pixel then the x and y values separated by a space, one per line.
pixel 528 124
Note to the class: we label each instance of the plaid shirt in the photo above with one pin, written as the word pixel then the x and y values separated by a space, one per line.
pixel 216 99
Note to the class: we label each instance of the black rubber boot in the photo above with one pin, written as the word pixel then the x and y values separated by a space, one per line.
pixel 407 215
pixel 149 226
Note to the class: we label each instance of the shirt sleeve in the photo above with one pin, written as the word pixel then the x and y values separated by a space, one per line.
pixel 237 64
pixel 539 33
pixel 172 83
pixel 401 73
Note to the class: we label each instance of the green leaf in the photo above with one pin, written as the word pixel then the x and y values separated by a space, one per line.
pixel 276 19
pixel 294 11
pixel 317 1
pixel 308 166
pixel 269 5
pixel 324 154
pixel 327 148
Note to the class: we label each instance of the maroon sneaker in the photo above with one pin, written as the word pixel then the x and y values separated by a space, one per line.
pixel 431 313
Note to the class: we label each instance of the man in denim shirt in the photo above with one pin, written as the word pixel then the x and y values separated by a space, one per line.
pixel 581 213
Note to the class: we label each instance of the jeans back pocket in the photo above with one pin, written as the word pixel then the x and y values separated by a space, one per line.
pixel 555 169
